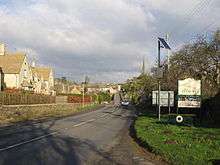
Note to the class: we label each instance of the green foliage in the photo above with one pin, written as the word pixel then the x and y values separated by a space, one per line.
pixel 179 144
pixel 22 98
pixel 198 60
pixel 140 87
pixel 103 96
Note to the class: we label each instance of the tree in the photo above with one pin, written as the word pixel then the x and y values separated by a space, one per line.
pixel 140 88
pixel 198 60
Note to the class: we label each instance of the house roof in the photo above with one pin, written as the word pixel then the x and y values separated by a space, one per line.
pixel 12 63
pixel 42 72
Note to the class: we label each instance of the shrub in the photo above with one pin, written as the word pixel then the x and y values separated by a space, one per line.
pixel 19 98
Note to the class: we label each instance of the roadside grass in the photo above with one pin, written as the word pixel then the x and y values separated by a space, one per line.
pixel 179 144
pixel 42 113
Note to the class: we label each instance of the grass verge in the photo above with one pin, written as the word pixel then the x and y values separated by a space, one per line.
pixel 14 115
pixel 179 144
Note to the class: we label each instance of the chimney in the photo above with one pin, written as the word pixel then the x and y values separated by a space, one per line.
pixel 2 49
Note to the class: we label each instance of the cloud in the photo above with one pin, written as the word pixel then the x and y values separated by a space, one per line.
pixel 103 39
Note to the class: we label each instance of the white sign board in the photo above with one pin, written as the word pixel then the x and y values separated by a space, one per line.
pixel 189 87
pixel 165 97
pixel 189 92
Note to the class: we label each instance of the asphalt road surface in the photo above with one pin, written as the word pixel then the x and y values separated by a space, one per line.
pixel 91 138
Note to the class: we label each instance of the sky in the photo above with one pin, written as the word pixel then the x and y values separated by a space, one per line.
pixel 106 40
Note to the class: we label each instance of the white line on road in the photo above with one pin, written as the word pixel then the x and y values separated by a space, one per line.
pixel 91 120
pixel 76 125
pixel 29 141
pixel 85 122
pixel 47 135
pixel 104 115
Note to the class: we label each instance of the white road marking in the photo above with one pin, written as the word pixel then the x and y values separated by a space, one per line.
pixel 77 125
pixel 47 135
pixel 107 114
pixel 103 115
pixel 91 120
pixel 29 141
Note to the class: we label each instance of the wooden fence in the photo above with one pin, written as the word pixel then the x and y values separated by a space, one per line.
pixel 79 99
pixel 25 98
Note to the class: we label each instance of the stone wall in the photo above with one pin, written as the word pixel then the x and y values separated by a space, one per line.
pixel 15 113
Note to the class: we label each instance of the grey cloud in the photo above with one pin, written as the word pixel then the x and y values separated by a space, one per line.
pixel 105 39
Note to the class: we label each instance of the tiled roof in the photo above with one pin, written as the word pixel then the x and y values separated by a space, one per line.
pixel 12 63
pixel 42 72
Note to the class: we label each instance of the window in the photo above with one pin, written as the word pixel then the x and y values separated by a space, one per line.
pixel 25 73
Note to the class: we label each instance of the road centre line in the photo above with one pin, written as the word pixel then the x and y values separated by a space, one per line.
pixel 47 135
pixel 76 125
pixel 103 115
pixel 90 120
pixel 29 141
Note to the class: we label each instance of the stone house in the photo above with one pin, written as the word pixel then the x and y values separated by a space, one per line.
pixel 44 80
pixel 16 70
pixel 76 89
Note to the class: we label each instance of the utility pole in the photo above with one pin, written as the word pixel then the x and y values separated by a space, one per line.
pixel 158 67
pixel 143 67
pixel 83 99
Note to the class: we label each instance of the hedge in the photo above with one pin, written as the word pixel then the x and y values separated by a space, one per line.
pixel 25 98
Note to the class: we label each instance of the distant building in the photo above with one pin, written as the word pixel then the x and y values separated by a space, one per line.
pixel 76 89
pixel 44 80
pixel 64 86
pixel 96 88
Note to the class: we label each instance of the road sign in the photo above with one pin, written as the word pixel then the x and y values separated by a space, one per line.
pixel 166 98
pixel 159 73
pixel 189 93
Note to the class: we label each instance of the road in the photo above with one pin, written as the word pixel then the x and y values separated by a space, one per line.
pixel 91 138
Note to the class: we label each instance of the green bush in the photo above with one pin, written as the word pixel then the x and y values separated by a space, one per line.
pixel 104 96
pixel 25 98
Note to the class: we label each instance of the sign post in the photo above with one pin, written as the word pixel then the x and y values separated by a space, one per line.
pixel 169 102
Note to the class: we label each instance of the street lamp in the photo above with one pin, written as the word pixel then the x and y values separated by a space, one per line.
pixel 161 44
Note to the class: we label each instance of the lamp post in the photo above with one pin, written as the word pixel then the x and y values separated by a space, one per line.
pixel 158 72
pixel 161 44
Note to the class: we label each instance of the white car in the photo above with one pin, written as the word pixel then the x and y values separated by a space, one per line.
pixel 125 103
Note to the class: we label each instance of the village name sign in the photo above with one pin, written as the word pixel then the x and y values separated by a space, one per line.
pixel 189 93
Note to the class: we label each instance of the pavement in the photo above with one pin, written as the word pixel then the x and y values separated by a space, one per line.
pixel 97 137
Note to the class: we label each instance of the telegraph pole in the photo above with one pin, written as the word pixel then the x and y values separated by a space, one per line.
pixel 83 99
